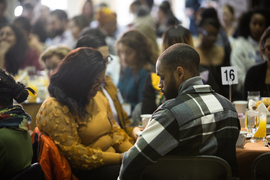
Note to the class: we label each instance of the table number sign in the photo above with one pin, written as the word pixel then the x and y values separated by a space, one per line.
pixel 229 75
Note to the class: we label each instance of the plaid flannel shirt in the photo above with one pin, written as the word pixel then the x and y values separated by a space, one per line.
pixel 194 123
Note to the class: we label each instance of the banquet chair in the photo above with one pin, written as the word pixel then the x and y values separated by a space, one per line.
pixel 34 172
pixel 188 168
pixel 260 167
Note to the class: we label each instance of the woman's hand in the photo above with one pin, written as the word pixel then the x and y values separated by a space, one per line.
pixel 121 157
pixel 135 130
pixel 4 47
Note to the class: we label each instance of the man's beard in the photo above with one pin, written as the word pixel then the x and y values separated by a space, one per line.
pixel 172 90
pixel 55 33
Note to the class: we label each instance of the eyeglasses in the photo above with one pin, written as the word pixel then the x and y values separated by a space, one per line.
pixel 109 59
pixel 99 84
pixel 204 32
pixel 267 47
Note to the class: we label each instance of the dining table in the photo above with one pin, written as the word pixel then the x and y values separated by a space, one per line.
pixel 247 154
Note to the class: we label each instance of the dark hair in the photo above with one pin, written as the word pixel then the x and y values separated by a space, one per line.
pixel 174 35
pixel 93 32
pixel 90 41
pixel 209 13
pixel 210 21
pixel 74 79
pixel 144 49
pixel 23 23
pixel 230 8
pixel 60 14
pixel 183 55
pixel 10 90
pixel 243 25
pixel 15 56
pixel 165 6
pixel 149 3
pixel 265 36
pixel 171 19
pixel 81 21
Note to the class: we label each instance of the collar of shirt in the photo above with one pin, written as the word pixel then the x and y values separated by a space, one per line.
pixel 194 84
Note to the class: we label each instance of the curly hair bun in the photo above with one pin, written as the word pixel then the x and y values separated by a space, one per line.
pixel 20 93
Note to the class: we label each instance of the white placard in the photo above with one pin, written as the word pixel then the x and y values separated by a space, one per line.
pixel 229 75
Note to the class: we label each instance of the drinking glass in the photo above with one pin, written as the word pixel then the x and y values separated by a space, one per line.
pixel 261 133
pixel 252 123
pixel 254 95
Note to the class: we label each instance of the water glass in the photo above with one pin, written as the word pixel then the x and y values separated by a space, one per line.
pixel 252 123
pixel 254 95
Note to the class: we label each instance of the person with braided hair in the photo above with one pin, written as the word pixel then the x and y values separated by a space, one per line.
pixel 15 142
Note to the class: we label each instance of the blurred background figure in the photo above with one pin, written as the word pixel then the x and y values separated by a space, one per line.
pixel 141 14
pixel 24 25
pixel 88 11
pixel 246 49
pixel 228 20
pixel 41 26
pixel 28 12
pixel 137 60
pixel 165 18
pixel 258 76
pixel 191 10
pixel 3 7
pixel 15 53
pixel 211 55
pixel 59 32
pixel 15 142
pixel 52 57
pixel 108 25
pixel 76 25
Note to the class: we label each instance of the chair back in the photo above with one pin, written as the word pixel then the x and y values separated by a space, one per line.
pixel 53 163
pixel 189 168
pixel 261 167
pixel 34 172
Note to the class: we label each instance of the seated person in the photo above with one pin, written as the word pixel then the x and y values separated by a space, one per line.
pixel 258 76
pixel 193 121
pixel 109 90
pixel 52 57
pixel 78 119
pixel 136 56
pixel 15 53
pixel 15 142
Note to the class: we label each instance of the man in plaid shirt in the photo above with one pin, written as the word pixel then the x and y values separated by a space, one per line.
pixel 193 121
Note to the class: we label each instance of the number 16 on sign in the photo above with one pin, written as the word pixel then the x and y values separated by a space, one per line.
pixel 229 77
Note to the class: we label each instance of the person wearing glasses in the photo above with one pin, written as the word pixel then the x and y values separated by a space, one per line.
pixel 258 76
pixel 109 90
pixel 78 119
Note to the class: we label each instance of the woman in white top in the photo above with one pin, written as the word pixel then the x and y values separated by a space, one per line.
pixel 246 50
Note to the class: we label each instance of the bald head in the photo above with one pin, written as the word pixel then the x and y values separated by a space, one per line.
pixel 183 55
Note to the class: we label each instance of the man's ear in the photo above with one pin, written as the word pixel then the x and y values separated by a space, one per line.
pixel 180 73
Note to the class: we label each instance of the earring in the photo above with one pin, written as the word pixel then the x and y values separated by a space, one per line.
pixel 200 36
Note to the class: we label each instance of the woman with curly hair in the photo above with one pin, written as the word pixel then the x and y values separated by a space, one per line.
pixel 136 56
pixel 15 142
pixel 246 50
